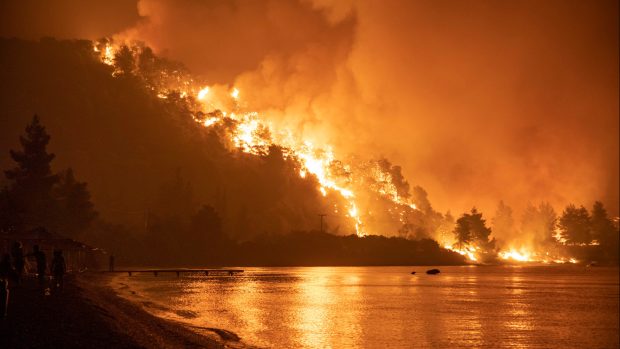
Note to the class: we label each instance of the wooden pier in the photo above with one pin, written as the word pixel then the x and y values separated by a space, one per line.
pixel 156 272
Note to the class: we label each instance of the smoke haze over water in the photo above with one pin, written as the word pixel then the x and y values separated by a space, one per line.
pixel 478 101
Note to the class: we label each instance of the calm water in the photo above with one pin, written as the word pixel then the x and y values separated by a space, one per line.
pixel 387 307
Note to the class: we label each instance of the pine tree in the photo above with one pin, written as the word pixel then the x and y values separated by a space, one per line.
pixel 603 229
pixel 76 210
pixel 479 230
pixel 471 229
pixel 32 180
pixel 462 232
pixel 575 225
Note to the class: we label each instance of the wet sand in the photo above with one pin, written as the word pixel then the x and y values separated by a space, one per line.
pixel 88 313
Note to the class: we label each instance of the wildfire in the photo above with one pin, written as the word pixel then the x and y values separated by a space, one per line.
pixel 520 256
pixel 202 93
pixel 529 256
pixel 250 134
pixel 468 251
pixel 235 93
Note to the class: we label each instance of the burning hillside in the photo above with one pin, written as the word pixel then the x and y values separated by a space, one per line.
pixel 369 196
pixel 364 196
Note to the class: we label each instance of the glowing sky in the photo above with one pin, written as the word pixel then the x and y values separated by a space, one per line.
pixel 477 100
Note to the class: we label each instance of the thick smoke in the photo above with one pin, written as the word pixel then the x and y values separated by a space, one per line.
pixel 478 101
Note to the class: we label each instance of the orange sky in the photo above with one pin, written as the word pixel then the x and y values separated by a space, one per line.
pixel 477 100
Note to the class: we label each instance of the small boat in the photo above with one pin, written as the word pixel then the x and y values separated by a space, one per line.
pixel 413 273
pixel 433 271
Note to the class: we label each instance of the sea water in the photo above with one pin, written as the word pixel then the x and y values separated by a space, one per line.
pixel 388 307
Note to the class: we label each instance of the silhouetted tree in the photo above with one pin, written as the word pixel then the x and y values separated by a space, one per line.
pixel 471 229
pixel 399 181
pixel 32 180
pixel 124 60
pixel 575 225
pixel 603 229
pixel 76 211
pixel 462 231
pixel 420 199
pixel 147 65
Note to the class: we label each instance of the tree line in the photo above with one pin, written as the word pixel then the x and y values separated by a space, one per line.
pixel 178 229
pixel 592 234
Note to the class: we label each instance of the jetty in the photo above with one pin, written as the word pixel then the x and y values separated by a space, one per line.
pixel 156 272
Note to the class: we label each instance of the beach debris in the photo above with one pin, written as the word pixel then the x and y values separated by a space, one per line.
pixel 433 271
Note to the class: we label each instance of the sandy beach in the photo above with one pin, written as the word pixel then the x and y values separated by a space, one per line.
pixel 88 313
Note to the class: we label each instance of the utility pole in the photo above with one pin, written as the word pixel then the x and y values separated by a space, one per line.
pixel 322 215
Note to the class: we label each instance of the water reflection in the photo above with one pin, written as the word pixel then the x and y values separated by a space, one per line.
pixel 315 299
pixel 388 307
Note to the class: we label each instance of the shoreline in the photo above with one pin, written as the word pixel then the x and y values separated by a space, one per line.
pixel 90 313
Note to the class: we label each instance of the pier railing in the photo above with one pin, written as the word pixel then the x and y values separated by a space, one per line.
pixel 156 272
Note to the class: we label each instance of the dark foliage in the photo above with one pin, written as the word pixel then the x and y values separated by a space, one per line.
pixel 574 225
pixel 471 229
pixel 37 198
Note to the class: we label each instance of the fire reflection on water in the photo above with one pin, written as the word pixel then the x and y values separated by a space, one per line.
pixel 313 320
pixel 339 307
pixel 518 320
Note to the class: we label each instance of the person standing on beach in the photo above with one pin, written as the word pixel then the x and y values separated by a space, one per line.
pixel 5 273
pixel 17 252
pixel 41 263
pixel 6 270
pixel 58 269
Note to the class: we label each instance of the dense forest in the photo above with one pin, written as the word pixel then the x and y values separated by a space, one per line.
pixel 160 185
pixel 131 172
pixel 37 199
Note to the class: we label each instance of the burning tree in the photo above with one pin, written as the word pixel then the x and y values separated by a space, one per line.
pixel 502 222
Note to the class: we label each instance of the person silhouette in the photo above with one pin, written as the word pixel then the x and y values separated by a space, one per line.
pixel 5 272
pixel 58 269
pixel 6 269
pixel 41 263
pixel 17 252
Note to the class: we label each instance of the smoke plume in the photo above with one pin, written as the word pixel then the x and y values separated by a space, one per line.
pixel 478 101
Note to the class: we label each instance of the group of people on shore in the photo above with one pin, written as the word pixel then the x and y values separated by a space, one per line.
pixel 13 266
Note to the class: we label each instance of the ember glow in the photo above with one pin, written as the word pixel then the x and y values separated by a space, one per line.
pixel 468 251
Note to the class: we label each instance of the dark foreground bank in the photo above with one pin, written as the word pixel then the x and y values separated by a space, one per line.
pixel 87 314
